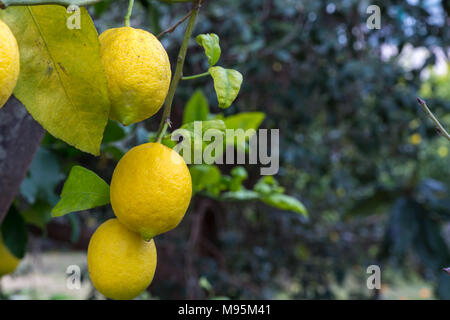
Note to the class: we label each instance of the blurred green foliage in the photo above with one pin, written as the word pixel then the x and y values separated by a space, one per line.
pixel 355 147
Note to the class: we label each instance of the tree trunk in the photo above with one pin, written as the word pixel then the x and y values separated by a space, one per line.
pixel 20 137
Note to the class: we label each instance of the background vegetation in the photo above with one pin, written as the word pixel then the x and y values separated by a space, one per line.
pixel 356 149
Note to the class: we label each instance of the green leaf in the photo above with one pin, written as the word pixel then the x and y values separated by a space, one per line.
pixel 268 185
pixel 239 174
pixel 241 195
pixel 196 109
pixel 245 120
pixel 205 284
pixel 206 125
pixel 191 131
pixel 227 83
pixel 39 214
pixel 14 233
pixel 114 131
pixel 210 42
pixel 61 82
pixel 204 176
pixel 83 190
pixel 285 202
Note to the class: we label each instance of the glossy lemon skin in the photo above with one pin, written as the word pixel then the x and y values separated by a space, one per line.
pixel 9 63
pixel 151 189
pixel 138 72
pixel 121 264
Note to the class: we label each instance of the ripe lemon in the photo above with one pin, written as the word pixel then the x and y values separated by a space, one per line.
pixel 138 72
pixel 151 189
pixel 8 262
pixel 121 264
pixel 9 63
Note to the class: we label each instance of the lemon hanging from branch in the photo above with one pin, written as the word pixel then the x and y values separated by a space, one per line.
pixel 121 264
pixel 151 189
pixel 138 72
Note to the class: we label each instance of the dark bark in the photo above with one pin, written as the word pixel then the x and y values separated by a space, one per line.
pixel 20 137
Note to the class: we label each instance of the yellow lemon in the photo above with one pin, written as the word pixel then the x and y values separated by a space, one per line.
pixel 9 63
pixel 121 264
pixel 151 189
pixel 138 72
pixel 8 262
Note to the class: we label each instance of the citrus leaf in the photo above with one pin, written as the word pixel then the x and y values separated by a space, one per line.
pixel 227 83
pixel 241 195
pixel 210 42
pixel 205 125
pixel 284 202
pixel 38 214
pixel 83 190
pixel 245 120
pixel 204 176
pixel 14 233
pixel 196 109
pixel 61 82
pixel 238 174
pixel 114 131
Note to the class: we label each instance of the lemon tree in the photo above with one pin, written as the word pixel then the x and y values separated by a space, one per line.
pixel 123 75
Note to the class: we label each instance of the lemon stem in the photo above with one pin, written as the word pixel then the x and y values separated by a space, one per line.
pixel 129 12
pixel 439 126
pixel 165 121
pixel 196 76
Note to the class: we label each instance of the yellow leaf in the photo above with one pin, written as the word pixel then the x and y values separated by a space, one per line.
pixel 61 82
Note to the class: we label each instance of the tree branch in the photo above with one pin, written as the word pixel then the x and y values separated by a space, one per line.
pixel 178 71
pixel 172 29
pixel 8 3
pixel 20 137
pixel 439 126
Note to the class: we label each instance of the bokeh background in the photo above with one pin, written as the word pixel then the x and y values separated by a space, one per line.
pixel 355 148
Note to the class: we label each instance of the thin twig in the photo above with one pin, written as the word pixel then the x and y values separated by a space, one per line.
pixel 178 70
pixel 439 126
pixel 167 125
pixel 172 29
pixel 196 76
pixel 7 3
